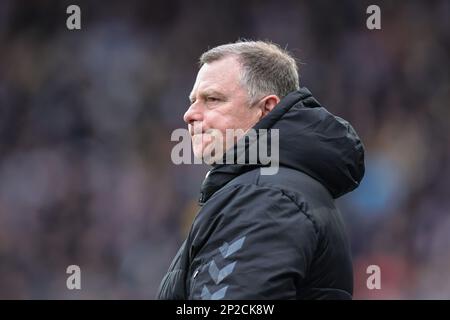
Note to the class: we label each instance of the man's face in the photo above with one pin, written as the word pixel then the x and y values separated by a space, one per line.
pixel 218 102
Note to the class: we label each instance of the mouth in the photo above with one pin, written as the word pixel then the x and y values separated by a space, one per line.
pixel 195 132
pixel 197 135
pixel 196 129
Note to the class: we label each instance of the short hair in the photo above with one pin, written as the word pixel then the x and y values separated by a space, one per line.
pixel 267 68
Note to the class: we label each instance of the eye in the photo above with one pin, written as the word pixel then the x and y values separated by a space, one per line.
pixel 212 99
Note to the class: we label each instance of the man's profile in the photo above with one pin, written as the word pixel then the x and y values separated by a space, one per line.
pixel 259 236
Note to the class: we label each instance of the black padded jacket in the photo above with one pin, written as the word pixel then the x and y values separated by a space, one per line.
pixel 275 236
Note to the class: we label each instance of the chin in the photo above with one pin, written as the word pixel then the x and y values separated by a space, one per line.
pixel 199 150
pixel 204 153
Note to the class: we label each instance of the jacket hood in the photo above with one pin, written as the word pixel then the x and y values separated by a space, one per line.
pixel 311 140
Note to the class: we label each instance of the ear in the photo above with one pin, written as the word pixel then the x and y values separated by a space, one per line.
pixel 267 104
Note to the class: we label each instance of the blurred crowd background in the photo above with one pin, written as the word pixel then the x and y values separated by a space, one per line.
pixel 86 116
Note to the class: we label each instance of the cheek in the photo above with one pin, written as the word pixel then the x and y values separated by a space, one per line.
pixel 240 117
pixel 217 121
pixel 245 119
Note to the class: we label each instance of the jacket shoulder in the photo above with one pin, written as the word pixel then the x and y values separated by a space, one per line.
pixel 295 183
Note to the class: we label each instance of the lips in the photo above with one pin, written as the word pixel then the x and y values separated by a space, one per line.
pixel 196 128
pixel 195 133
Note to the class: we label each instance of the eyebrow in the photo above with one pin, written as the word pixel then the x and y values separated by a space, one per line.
pixel 207 92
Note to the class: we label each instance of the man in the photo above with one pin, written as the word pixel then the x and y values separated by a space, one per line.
pixel 266 236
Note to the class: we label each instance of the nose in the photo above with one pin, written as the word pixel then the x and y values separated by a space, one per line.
pixel 194 113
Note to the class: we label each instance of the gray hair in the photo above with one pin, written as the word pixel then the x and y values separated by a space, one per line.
pixel 267 68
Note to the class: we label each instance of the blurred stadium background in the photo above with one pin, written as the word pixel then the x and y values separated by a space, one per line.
pixel 86 117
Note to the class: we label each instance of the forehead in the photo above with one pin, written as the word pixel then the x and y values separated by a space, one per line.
pixel 222 75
